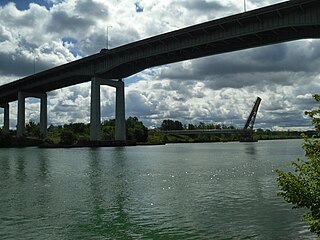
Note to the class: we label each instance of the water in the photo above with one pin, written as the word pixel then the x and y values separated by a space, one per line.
pixel 177 191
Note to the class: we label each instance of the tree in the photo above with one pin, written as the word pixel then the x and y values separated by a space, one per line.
pixel 68 137
pixel 108 129
pixel 166 125
pixel 302 187
pixel 5 139
pixel 135 130
pixel 108 132
pixel 169 124
pixel 78 128
pixel 191 127
pixel 33 129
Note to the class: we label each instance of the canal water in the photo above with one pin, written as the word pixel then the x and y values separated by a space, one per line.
pixel 175 191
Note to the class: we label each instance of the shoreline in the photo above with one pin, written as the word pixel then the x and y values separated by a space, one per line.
pixel 27 142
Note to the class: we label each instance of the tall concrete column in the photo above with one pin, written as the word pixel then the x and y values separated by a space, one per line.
pixel 43 115
pixel 6 119
pixel 95 113
pixel 120 112
pixel 21 115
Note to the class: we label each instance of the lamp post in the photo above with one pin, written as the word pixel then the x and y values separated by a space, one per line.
pixel 107 40
pixel 244 5
pixel 34 62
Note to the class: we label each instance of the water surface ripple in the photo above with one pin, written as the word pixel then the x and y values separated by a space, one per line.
pixel 176 191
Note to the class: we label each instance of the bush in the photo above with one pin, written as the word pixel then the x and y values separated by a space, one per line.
pixel 68 137
pixel 302 187
pixel 5 139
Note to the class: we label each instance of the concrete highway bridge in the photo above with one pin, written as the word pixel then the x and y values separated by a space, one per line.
pixel 287 21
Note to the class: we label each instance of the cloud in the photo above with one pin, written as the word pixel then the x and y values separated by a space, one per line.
pixel 90 8
pixel 280 58
pixel 64 23
pixel 203 6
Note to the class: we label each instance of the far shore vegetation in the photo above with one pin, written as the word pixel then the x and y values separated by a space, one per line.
pixel 78 133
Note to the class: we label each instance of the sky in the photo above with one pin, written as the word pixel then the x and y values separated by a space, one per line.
pixel 40 34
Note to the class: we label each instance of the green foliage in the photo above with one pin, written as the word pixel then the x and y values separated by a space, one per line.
pixel 54 133
pixel 79 132
pixel 5 139
pixel 67 134
pixel 108 130
pixel 171 125
pixel 302 187
pixel 48 141
pixel 68 137
pixel 267 134
pixel 80 129
pixel 202 125
pixel 135 130
pixel 168 125
pixel 33 129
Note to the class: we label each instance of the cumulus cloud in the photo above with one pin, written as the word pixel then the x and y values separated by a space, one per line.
pixel 219 88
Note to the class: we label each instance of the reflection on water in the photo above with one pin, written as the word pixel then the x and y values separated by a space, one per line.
pixel 183 191
pixel 43 170
pixel 108 216
pixel 20 168
pixel 250 149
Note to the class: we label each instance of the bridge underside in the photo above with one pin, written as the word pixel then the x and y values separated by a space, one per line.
pixel 223 46
pixel 287 21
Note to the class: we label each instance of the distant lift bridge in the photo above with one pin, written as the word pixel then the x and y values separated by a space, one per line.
pixel 246 134
pixel 253 115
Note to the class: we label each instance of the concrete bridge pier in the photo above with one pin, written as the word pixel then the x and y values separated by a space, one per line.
pixel 21 113
pixel 120 112
pixel 95 113
pixel 44 115
pixel 6 120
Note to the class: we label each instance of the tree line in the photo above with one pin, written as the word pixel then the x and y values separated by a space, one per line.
pixel 73 133
pixel 169 124
pixel 136 131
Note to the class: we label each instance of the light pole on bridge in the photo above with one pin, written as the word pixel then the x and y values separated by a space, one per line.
pixel 34 62
pixel 107 39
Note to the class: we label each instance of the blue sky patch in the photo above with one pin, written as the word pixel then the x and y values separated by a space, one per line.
pixel 74 50
pixel 132 79
pixel 24 4
pixel 69 40
pixel 139 8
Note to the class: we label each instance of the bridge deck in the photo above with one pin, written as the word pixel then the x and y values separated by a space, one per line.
pixel 287 21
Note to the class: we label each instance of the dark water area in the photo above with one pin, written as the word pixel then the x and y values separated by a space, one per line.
pixel 176 191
